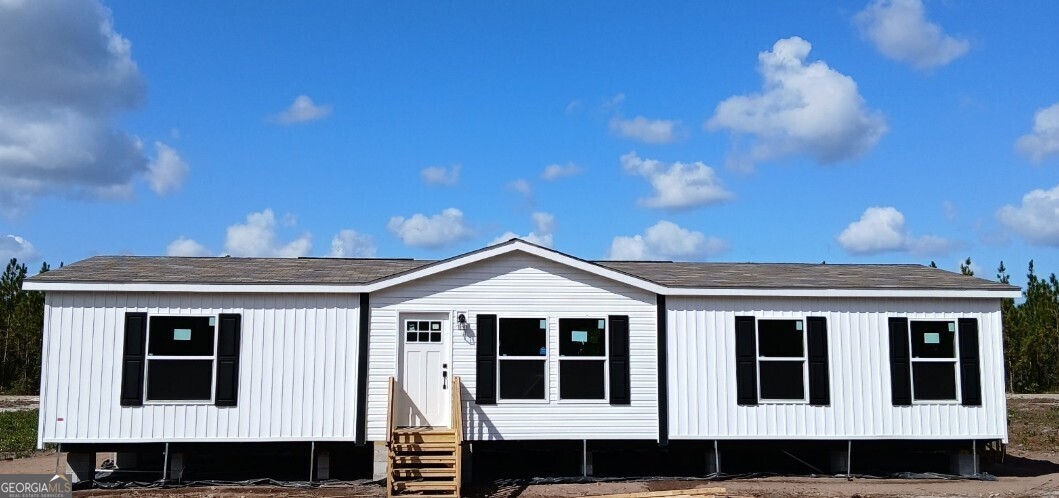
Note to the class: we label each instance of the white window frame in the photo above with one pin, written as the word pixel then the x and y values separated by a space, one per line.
pixel 955 360
pixel 804 359
pixel 148 357
pixel 546 358
pixel 605 358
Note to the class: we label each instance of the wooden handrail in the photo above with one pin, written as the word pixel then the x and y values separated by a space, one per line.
pixel 457 410
pixel 391 391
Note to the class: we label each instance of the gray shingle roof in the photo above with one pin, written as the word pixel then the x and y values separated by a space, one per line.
pixel 800 276
pixel 174 270
pixel 336 271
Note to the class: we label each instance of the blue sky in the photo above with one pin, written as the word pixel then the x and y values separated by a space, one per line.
pixel 868 132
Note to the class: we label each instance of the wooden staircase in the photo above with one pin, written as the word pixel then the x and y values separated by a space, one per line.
pixel 425 461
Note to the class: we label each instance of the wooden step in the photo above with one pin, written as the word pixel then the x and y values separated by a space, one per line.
pixel 413 486
pixel 424 437
pixel 416 447
pixel 432 472
pixel 418 459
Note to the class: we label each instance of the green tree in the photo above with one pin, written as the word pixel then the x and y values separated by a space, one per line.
pixel 965 268
pixel 21 325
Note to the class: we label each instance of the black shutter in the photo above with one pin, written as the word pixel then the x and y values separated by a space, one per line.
pixel 132 367
pixel 970 374
pixel 819 381
pixel 485 381
pixel 228 332
pixel 619 360
pixel 745 361
pixel 900 369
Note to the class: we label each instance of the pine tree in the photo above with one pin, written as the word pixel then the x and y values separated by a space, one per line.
pixel 965 268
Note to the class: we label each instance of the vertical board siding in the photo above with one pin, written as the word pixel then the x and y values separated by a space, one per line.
pixel 297 373
pixel 525 286
pixel 702 396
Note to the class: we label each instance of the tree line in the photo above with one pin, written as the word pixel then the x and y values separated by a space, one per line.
pixel 1031 331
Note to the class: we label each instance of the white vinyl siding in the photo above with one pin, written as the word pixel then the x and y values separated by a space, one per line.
pixel 702 384
pixel 523 285
pixel 297 370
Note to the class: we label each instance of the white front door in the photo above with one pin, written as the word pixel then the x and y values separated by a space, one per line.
pixel 424 371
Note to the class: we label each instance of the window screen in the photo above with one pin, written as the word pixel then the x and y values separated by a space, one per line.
pixel 181 336
pixel 582 379
pixel 523 336
pixel 582 337
pixel 781 360
pixel 522 379
pixel 933 339
pixel 180 358
pixel 934 381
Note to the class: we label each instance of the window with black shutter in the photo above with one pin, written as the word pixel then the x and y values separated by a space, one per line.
pixel 181 357
pixel 782 360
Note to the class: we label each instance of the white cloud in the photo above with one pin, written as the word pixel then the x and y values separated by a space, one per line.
pixel 1037 219
pixel 573 106
pixel 65 75
pixel 807 109
pixel 612 102
pixel 302 110
pixel 432 232
pixel 13 246
pixel 951 212
pixel 666 240
pixel 257 238
pixel 899 29
pixel 882 229
pixel 543 229
pixel 652 131
pixel 350 244
pixel 186 247
pixel 167 171
pixel 1044 141
pixel 440 175
pixel 557 171
pixel 521 186
pixel 677 185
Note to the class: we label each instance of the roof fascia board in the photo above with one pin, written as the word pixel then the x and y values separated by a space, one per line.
pixel 167 287
pixel 516 245
pixel 916 293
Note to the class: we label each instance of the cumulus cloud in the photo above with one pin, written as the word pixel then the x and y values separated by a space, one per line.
pixel 257 238
pixel 543 228
pixel 302 110
pixel 13 246
pixel 652 131
pixel 440 175
pixel 1043 142
pixel 521 186
pixel 557 171
pixel 167 171
pixel 350 244
pixel 666 240
pixel 899 29
pixel 882 229
pixel 677 185
pixel 435 231
pixel 65 74
pixel 1036 219
pixel 803 109
pixel 187 248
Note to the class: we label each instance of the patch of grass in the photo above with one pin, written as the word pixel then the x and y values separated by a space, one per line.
pixel 1033 424
pixel 18 433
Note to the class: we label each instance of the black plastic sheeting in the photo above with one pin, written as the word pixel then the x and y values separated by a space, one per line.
pixel 984 476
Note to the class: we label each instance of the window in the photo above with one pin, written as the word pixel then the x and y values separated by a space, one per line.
pixel 781 360
pixel 934 361
pixel 582 358
pixel 180 358
pixel 422 331
pixel 522 348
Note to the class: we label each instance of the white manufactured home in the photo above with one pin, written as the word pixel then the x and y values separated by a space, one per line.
pixel 513 342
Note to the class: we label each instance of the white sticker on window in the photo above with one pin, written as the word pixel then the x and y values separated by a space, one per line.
pixel 798 325
pixel 931 338
pixel 213 321
pixel 544 324
pixel 952 327
pixel 602 325
pixel 579 336
pixel 181 334
pixel 435 325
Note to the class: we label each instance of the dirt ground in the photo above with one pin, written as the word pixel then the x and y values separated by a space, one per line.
pixel 1031 469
